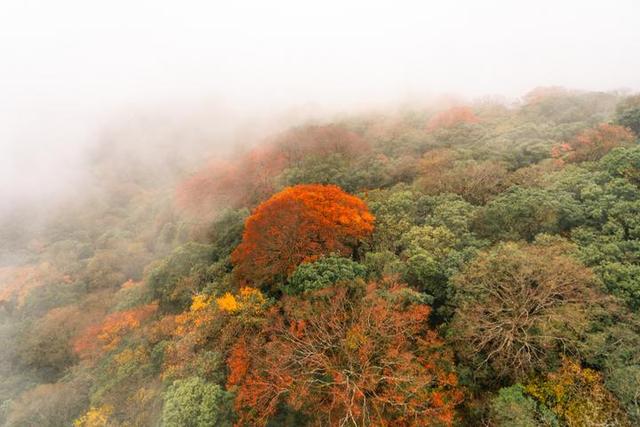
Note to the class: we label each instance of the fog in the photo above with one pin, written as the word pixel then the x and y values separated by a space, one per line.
pixel 72 68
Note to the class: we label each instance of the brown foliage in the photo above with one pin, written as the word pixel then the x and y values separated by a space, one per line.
pixel 476 182
pixel 519 303
pixel 299 223
pixel 49 405
pixel 353 354
pixel 454 116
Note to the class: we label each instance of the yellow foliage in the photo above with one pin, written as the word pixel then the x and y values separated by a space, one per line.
pixel 200 302
pixel 95 417
pixel 247 299
pixel 129 355
pixel 577 396
pixel 227 302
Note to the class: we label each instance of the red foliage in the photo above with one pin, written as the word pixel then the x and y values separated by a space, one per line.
pixel 298 224
pixel 106 336
pixel 250 179
pixel 452 117
pixel 592 144
pixel 357 355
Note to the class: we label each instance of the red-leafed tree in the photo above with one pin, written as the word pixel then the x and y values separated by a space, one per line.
pixel 352 354
pixel 594 143
pixel 452 117
pixel 299 223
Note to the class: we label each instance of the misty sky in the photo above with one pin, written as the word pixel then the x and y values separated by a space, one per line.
pixel 66 66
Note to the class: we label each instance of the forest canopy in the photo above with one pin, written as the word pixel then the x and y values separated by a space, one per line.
pixel 459 264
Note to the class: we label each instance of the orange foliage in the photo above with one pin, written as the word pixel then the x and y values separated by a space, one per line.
pixel 106 335
pixel 249 179
pixel 592 144
pixel 298 224
pixel 452 117
pixel 210 323
pixel 369 359
pixel 17 282
pixel 238 363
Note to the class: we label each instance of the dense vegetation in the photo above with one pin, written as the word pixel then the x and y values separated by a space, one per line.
pixel 462 265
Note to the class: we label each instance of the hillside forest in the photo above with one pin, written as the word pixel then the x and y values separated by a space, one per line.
pixel 453 264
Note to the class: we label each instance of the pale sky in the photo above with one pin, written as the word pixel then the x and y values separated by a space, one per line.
pixel 67 65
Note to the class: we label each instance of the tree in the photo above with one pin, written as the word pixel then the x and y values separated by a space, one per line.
pixel 250 178
pixel 522 213
pixel 513 407
pixel 299 224
pixel 49 405
pixel 324 272
pixel 108 334
pixel 624 163
pixel 353 353
pixel 396 211
pixel 174 279
pixel 520 305
pixel 594 143
pixel 476 182
pixel 226 232
pixel 432 255
pixel 454 116
pixel 577 396
pixel 192 402
pixel 628 113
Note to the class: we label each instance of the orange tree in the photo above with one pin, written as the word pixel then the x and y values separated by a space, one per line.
pixel 299 224
pixel 355 353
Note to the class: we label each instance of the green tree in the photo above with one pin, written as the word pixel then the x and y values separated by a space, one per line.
pixel 513 407
pixel 192 402
pixel 522 213
pixel 171 280
pixel 323 272
pixel 628 113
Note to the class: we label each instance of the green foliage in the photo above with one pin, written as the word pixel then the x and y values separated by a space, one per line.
pixel 624 382
pixel 628 114
pixel 523 213
pixel 396 211
pixel 432 255
pixel 192 402
pixel 322 273
pixel 451 211
pixel 447 202
pixel 226 233
pixel 383 263
pixel 513 407
pixel 623 163
pixel 171 279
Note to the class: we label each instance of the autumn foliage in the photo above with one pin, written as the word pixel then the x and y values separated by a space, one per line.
pixel 593 143
pixel 452 117
pixel 106 336
pixel 519 303
pixel 300 223
pixel 250 178
pixel 351 355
